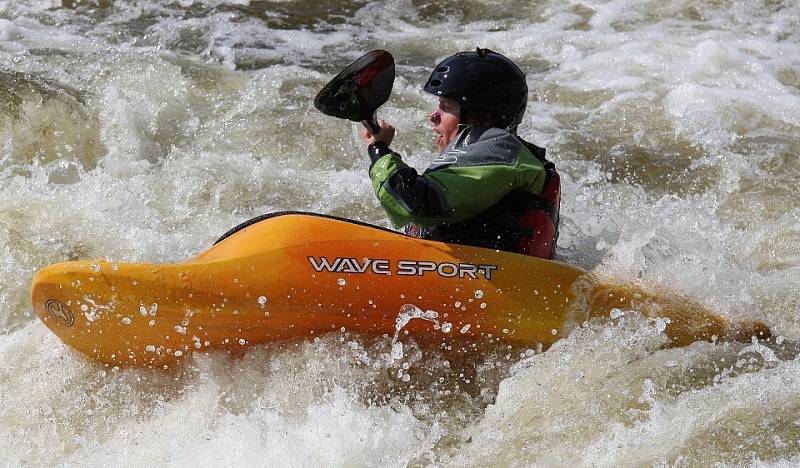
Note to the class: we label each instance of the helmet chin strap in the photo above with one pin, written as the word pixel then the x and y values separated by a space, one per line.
pixel 462 118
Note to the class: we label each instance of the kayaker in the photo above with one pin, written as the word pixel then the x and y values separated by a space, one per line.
pixel 488 187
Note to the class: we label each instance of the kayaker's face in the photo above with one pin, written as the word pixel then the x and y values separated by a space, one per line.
pixel 445 122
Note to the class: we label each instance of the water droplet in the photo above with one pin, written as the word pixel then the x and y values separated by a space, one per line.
pixel 483 305
pixel 262 300
pixel 150 348
pixel 465 328
pixel 178 353
pixel 478 294
pixel 126 320
pixel 242 341
pixel 397 351
pixel 341 281
pixel 144 310
pixel 446 327
pixel 180 329
pixel 554 332
pixel 458 304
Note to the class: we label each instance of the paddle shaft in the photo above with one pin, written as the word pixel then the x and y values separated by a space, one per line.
pixel 372 125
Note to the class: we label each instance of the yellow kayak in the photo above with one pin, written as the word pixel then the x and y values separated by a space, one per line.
pixel 296 276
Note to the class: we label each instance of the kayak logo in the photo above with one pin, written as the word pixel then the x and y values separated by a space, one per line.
pixel 350 265
pixel 59 310
pixel 382 266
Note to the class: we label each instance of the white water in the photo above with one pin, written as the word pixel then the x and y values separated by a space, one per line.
pixel 141 131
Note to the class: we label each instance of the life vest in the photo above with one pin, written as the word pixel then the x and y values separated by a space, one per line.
pixel 542 216
pixel 542 220
pixel 522 222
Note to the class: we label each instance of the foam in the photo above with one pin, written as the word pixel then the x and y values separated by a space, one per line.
pixel 134 132
pixel 8 31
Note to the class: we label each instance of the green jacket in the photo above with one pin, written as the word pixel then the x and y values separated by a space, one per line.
pixel 475 172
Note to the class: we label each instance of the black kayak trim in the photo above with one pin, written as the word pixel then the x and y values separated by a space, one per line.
pixel 264 217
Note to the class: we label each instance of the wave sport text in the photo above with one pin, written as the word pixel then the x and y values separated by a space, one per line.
pixel 382 266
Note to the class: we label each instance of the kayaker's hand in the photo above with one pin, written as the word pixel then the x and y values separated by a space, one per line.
pixel 385 135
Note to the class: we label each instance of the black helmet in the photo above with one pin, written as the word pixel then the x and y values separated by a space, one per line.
pixel 482 80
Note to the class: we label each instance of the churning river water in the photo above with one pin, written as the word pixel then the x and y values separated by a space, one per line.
pixel 142 130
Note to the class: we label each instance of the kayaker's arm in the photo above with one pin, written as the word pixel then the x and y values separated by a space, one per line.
pixel 448 194
pixel 404 194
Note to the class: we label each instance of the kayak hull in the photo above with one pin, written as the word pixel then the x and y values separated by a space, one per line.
pixel 297 276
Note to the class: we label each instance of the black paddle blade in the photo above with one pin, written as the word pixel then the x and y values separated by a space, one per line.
pixel 357 92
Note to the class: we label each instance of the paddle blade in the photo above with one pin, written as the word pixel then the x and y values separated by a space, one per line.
pixel 358 90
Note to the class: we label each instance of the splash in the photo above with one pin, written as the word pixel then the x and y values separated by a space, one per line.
pixel 140 131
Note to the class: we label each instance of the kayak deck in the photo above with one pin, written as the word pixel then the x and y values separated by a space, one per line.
pixel 296 276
